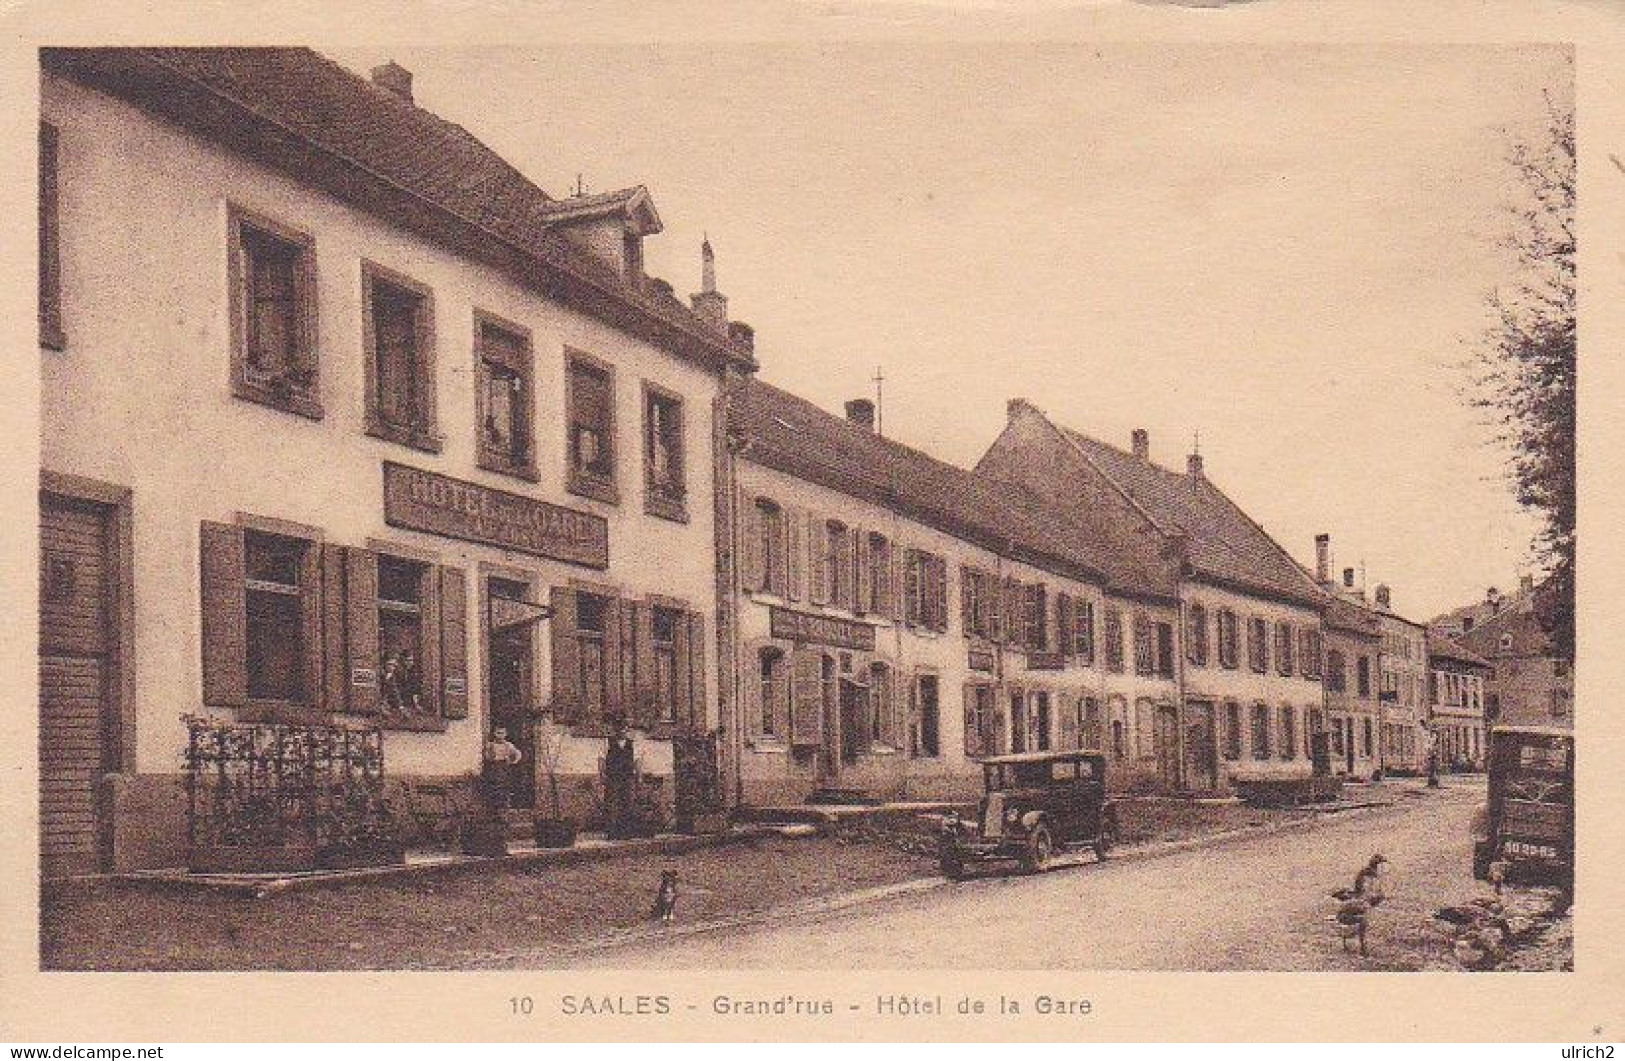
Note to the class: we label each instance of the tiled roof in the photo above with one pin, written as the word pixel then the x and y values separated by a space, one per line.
pixel 1527 639
pixel 1445 648
pixel 278 101
pixel 799 438
pixel 1344 614
pixel 1225 544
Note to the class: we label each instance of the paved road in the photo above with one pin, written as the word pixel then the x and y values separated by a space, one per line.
pixel 1260 903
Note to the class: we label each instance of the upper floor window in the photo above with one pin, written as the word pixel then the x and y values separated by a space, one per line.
pixel 839 585
pixel 1035 615
pixel 1165 650
pixel 1229 638
pixel 1336 672
pixel 399 321
pixel 766 551
pixel 878 590
pixel 1283 648
pixel 1309 652
pixel 925 590
pixel 591 403
pixel 505 398
pixel 664 476
pixel 1114 639
pixel 1196 635
pixel 1362 675
pixel 273 315
pixel 1083 632
pixel 979 603
pixel 1258 648
pixel 1145 660
pixel 50 247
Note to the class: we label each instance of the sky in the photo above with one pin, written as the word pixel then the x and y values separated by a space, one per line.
pixel 1281 249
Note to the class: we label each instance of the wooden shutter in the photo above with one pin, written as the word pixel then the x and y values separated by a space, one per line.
pixel 807 699
pixel 973 728
pixel 225 615
pixel 429 606
pixel 627 674
pixel 913 570
pixel 566 655
pixel 753 565
pixel 646 701
pixel 453 643
pixel 863 597
pixel 335 652
pixel 613 706
pixel 899 557
pixel 939 594
pixel 1063 624
pixel 699 713
pixel 361 629
pixel 966 619
pixel 794 533
pixel 817 560
pixel 312 621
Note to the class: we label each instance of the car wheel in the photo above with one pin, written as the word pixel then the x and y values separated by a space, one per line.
pixel 1039 847
pixel 1107 838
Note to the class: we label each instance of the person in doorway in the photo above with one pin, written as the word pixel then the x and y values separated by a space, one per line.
pixel 501 756
pixel 620 774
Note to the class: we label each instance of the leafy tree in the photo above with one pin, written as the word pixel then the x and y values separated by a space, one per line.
pixel 1525 378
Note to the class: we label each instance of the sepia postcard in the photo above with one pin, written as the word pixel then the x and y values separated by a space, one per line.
pixel 815 521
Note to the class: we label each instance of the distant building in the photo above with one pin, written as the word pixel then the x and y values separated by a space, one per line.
pixel 1353 654
pixel 1456 699
pixel 1529 684
pixel 1458 622
pixel 1251 671
pixel 1402 689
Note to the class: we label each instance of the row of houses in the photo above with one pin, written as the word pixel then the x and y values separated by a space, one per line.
pixel 345 420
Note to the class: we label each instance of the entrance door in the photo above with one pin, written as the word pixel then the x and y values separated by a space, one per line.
pixel 1167 741
pixel 1201 750
pixel 77 731
pixel 509 654
pixel 829 751
pixel 854 715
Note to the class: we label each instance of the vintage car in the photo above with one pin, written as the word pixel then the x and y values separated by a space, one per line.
pixel 1035 804
pixel 1525 829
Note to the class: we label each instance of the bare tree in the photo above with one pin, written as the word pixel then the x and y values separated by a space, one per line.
pixel 1525 365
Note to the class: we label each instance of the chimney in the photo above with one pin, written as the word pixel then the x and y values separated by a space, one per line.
pixel 1193 465
pixel 395 79
pixel 1384 598
pixel 861 411
pixel 1323 559
pixel 710 304
pixel 1526 585
pixel 1492 597
pixel 1141 443
pixel 1348 578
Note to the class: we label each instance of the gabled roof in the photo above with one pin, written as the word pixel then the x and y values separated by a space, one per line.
pixel 300 112
pixel 1444 648
pixel 635 204
pixel 1224 543
pixel 794 436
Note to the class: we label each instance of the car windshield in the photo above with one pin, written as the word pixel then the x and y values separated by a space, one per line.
pixel 1040 773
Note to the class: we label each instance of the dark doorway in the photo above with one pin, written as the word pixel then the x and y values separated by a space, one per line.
pixel 1201 748
pixel 1018 721
pixel 1042 722
pixel 1167 742
pixel 854 713
pixel 510 656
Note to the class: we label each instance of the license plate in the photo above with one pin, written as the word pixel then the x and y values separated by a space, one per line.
pixel 1521 849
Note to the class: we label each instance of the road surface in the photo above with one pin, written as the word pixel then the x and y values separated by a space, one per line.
pixel 1259 903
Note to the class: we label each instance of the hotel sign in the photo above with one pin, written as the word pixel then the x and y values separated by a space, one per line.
pixel 821 630
pixel 453 508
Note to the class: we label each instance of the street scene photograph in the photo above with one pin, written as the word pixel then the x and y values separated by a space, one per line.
pixel 1010 505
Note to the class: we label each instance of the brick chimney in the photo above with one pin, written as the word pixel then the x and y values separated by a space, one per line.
pixel 1323 559
pixel 710 303
pixel 395 79
pixel 1384 597
pixel 1193 465
pixel 742 334
pixel 1140 443
pixel 861 411
pixel 1348 578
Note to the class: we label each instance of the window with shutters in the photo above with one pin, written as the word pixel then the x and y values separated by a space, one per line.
pixel 1196 635
pixel 925 583
pixel 1336 671
pixel 275 585
pixel 1258 649
pixel 982 731
pixel 590 401
pixel 273 314
pixel 1309 654
pixel 1283 649
pixel 1261 731
pixel 1362 677
pixel 1145 658
pixel 1232 730
pixel 664 475
pixel 837 565
pixel 878 574
pixel 399 324
pixel 1114 639
pixel 979 603
pixel 1119 739
pixel 925 727
pixel 402 691
pixel 882 705
pixel 669 668
pixel 1083 631
pixel 771 550
pixel 1289 732
pixel 1091 729
pixel 1229 639
pixel 592 625
pixel 1035 614
pixel 505 397
pixel 1165 650
pixel 50 247
pixel 1042 721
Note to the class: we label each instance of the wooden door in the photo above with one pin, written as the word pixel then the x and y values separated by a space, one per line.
pixel 77 744
pixel 1167 741
pixel 1201 747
